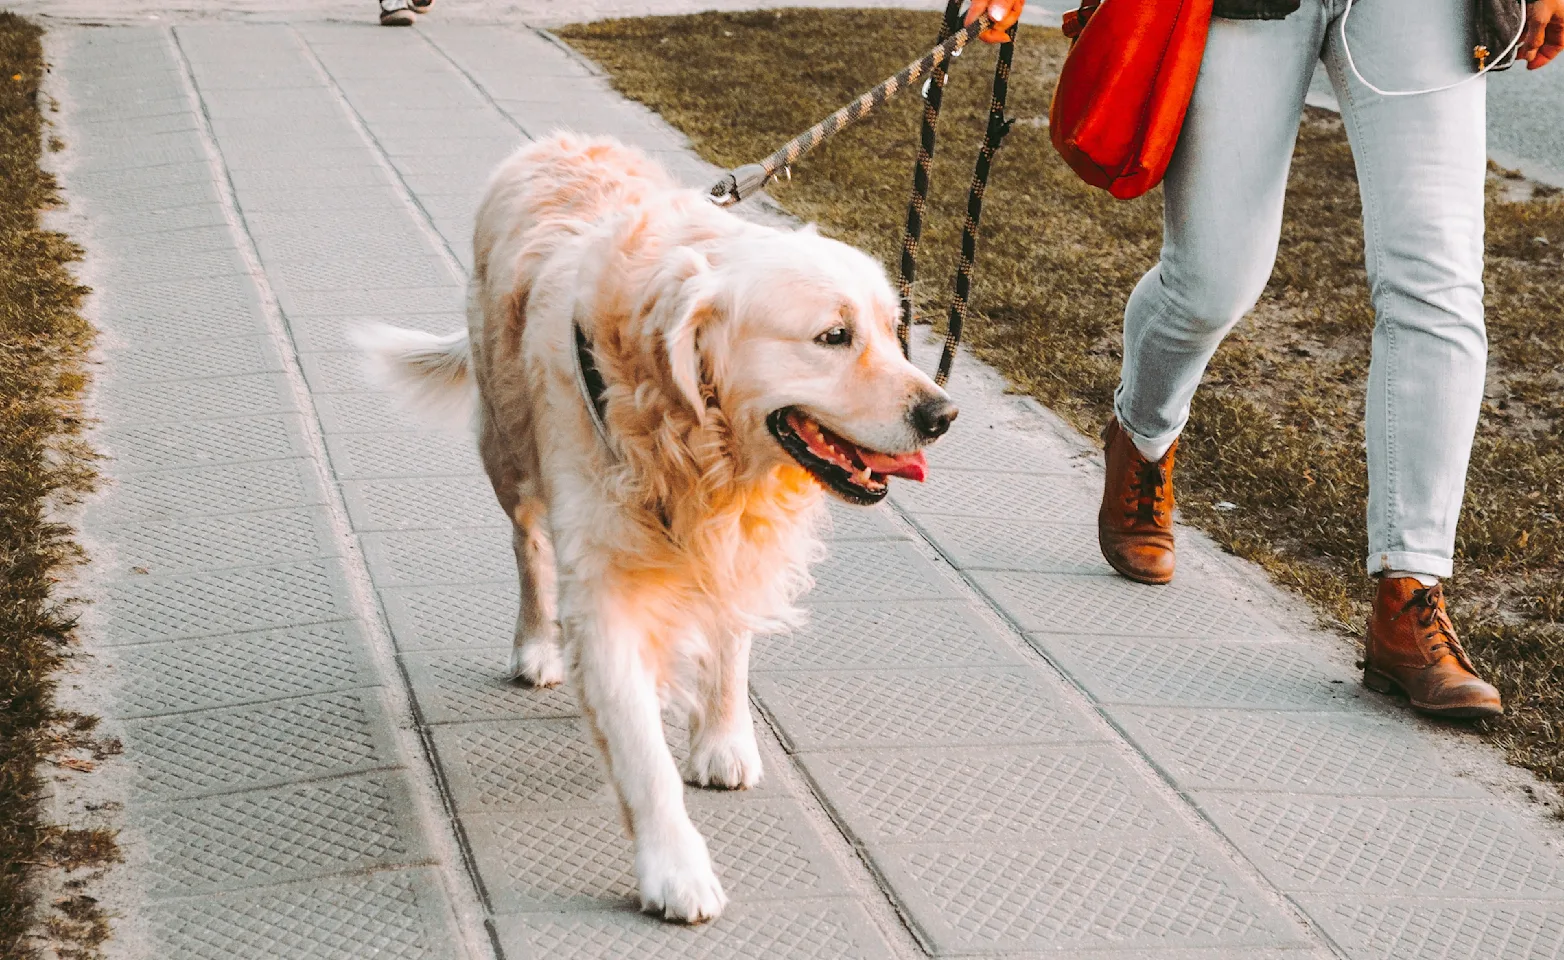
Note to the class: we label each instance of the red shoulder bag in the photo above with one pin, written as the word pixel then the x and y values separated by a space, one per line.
pixel 1125 87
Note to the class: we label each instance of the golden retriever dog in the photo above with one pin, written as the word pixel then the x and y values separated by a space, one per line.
pixel 737 372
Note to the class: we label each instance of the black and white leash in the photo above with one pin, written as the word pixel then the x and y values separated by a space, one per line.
pixel 745 181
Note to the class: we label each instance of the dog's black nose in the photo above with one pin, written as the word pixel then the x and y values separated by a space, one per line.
pixel 933 417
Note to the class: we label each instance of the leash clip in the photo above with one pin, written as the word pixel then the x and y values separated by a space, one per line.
pixel 739 184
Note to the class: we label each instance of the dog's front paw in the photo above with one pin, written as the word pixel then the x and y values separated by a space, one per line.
pixel 677 880
pixel 730 760
pixel 537 663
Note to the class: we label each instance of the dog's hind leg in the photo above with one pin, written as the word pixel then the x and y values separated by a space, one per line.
pixel 723 752
pixel 535 655
pixel 618 693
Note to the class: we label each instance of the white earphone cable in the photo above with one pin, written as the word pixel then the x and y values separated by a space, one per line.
pixel 1345 49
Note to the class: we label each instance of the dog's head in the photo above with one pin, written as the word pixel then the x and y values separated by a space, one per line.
pixel 793 337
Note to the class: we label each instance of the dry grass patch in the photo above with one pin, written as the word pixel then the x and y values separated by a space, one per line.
pixel 42 341
pixel 1277 429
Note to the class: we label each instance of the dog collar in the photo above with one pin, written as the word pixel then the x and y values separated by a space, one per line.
pixel 590 381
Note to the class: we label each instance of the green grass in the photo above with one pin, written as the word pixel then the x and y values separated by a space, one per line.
pixel 42 341
pixel 1277 428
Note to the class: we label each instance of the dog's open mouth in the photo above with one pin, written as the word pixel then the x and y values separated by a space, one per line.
pixel 854 473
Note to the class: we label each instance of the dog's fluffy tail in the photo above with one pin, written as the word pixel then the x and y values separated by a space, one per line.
pixel 432 374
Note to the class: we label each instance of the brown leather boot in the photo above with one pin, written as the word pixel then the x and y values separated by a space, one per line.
pixel 1135 524
pixel 1412 648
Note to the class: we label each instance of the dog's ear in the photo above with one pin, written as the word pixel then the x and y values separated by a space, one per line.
pixel 811 229
pixel 694 306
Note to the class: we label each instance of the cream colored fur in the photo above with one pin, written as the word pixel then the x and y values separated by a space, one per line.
pixel 647 565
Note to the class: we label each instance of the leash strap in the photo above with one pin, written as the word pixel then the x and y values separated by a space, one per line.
pixel 993 136
pixel 933 94
pixel 743 182
pixel 998 126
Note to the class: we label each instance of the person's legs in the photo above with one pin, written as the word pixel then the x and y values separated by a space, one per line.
pixel 1221 220
pixel 396 13
pixel 1421 162
pixel 1421 165
pixel 1222 215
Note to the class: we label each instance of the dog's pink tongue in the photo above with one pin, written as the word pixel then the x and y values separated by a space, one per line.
pixel 909 466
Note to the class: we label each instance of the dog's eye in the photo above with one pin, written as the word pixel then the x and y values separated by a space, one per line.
pixel 835 337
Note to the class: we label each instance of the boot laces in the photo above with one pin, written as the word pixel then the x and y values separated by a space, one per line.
pixel 1146 495
pixel 1428 604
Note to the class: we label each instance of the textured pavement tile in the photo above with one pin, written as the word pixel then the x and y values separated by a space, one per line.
pixel 515 53
pixel 285 741
pixel 973 493
pixel 920 708
pixel 203 442
pixel 183 310
pixel 1157 672
pixel 142 256
pixel 383 240
pixel 459 686
pixel 909 633
pixel 421 504
pixel 215 543
pixel 144 223
pixel 440 618
pixel 413 558
pixel 339 372
pixel 294 237
pixel 762 850
pixel 1293 753
pixel 522 766
pixel 528 766
pixel 143 200
pixel 221 265
pixel 986 447
pixel 210 398
pixel 792 930
pixel 1412 847
pixel 1151 892
pixel 302 275
pixel 268 152
pixel 879 571
pixel 1057 603
pixel 341 413
pixel 989 795
pixel 387 302
pixel 366 456
pixel 193 168
pixel 237 841
pixel 112 132
pixel 207 491
pixel 1407 929
pixel 862 523
pixel 978 543
pixel 334 333
pixel 356 178
pixel 224 357
pixel 387 914
pixel 162 678
pixel 149 608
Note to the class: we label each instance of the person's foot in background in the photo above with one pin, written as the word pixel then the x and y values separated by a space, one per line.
pixel 396 13
pixel 420 6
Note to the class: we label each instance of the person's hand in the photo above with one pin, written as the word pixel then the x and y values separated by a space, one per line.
pixel 1544 37
pixel 1005 13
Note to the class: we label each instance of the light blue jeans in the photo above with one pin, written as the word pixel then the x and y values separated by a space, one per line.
pixel 1421 163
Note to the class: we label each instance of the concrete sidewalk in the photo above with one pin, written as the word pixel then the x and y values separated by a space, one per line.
pixel 984 745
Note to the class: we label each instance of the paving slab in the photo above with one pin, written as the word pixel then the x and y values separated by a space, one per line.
pixel 982 744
